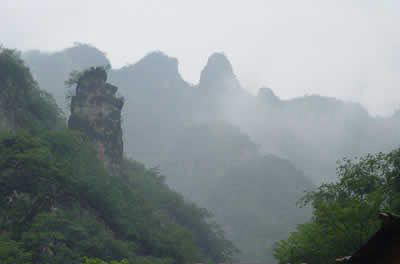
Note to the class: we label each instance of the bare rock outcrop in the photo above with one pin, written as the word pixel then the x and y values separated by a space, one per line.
pixel 96 111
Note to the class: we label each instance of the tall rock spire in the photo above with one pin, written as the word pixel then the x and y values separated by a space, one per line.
pixel 96 111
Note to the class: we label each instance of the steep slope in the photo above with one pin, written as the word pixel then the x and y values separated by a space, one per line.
pixel 59 204
pixel 312 131
pixel 96 111
pixel 157 103
pixel 255 203
pixel 197 134
pixel 195 147
pixel 22 104
pixel 201 156
pixel 253 197
pixel 219 95
pixel 217 77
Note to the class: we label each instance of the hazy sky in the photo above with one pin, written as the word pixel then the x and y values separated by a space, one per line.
pixel 344 48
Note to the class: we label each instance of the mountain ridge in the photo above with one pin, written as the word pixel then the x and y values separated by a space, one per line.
pixel 196 134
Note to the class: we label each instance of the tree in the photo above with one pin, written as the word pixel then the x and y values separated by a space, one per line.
pixel 57 200
pixel 345 212
pixel 11 252
pixel 23 104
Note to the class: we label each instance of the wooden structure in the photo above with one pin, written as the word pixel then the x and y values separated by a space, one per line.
pixel 383 247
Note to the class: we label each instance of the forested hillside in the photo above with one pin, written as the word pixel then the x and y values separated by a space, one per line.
pixel 187 132
pixel 59 204
pixel 199 132
pixel 23 105
pixel 197 135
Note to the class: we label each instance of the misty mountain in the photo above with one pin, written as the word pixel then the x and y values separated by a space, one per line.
pixel 158 104
pixel 311 131
pixel 214 140
pixel 315 131
pixel 62 199
pixel 202 155
pixel 254 202
pixel 188 132
pixel 52 69
pixel 220 95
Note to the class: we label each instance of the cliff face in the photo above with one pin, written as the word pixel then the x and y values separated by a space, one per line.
pixel 96 111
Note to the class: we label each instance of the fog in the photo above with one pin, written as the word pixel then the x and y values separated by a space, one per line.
pixel 241 105
pixel 347 48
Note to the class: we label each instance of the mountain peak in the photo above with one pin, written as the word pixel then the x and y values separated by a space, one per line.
pixel 218 74
pixel 218 62
pixel 84 56
pixel 159 63
pixel 156 70
pixel 268 96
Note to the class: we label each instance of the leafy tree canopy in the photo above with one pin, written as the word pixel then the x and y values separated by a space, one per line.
pixel 58 204
pixel 345 212
pixel 23 104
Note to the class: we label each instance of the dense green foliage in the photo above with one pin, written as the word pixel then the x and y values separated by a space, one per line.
pixel 59 204
pixel 22 103
pixel 345 212
pixel 99 261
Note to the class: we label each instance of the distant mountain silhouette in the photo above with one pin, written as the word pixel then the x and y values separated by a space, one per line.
pixel 220 95
pixel 218 76
pixel 267 96
pixel 52 69
pixel 311 131
pixel 157 106
pixel 254 202
pixel 214 139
